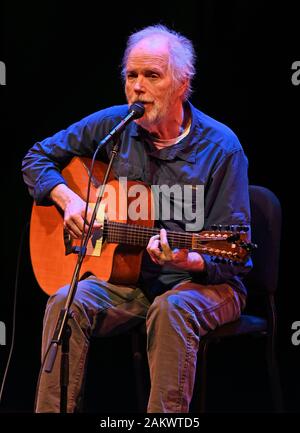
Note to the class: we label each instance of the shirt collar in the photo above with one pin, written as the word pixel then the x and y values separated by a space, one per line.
pixel 185 149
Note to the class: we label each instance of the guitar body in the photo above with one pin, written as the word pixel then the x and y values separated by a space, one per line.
pixel 119 264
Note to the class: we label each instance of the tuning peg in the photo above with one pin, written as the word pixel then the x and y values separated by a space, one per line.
pixel 227 228
pixel 219 227
pixel 215 259
pixel 250 247
pixel 233 238
pixel 243 228
pixel 220 260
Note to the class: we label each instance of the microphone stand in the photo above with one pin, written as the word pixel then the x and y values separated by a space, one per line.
pixel 63 331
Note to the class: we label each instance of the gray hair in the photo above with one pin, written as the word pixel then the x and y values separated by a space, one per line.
pixel 182 53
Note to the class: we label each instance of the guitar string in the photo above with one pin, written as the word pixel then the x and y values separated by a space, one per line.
pixel 135 234
pixel 146 231
pixel 130 233
pixel 116 237
pixel 127 233
pixel 118 233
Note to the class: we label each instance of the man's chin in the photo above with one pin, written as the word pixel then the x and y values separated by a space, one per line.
pixel 146 123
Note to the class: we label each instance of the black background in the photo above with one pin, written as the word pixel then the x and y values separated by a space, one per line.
pixel 62 64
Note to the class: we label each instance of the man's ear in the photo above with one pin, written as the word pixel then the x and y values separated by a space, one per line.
pixel 183 87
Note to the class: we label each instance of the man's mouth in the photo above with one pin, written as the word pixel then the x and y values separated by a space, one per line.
pixel 145 102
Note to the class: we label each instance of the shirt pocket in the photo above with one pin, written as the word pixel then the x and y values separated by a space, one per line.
pixel 131 171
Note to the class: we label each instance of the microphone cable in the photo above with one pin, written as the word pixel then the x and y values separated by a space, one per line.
pixel 16 286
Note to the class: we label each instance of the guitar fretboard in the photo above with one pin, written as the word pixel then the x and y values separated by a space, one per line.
pixel 139 235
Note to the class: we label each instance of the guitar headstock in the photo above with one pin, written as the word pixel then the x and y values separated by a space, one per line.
pixel 225 243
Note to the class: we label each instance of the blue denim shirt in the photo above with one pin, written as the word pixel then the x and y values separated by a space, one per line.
pixel 210 155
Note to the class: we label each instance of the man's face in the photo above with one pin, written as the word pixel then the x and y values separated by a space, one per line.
pixel 148 79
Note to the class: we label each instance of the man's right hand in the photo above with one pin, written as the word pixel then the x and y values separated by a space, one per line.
pixel 74 209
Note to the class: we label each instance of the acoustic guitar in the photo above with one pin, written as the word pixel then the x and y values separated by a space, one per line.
pixel 114 253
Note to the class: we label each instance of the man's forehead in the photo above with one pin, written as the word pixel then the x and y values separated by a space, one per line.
pixel 155 46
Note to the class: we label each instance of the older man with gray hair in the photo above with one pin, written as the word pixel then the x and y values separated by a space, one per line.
pixel 181 293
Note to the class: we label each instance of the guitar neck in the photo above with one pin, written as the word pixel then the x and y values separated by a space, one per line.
pixel 130 234
pixel 225 244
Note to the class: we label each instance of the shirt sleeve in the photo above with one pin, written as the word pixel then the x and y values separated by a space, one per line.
pixel 43 163
pixel 227 203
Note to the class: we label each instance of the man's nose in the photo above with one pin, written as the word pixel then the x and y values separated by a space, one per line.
pixel 139 84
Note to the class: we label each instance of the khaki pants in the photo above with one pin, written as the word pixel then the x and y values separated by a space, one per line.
pixel 175 322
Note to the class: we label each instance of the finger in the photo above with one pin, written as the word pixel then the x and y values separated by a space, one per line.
pixel 156 260
pixel 71 232
pixel 153 258
pixel 71 225
pixel 79 223
pixel 167 252
pixel 154 249
pixel 154 240
pixel 155 252
pixel 96 226
pixel 73 235
pixel 89 217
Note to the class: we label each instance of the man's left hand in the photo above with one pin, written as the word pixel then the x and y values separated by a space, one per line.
pixel 160 253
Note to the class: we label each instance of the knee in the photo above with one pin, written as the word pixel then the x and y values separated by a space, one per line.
pixel 168 305
pixel 170 315
pixel 58 299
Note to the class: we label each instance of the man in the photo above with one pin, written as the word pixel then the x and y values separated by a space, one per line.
pixel 182 294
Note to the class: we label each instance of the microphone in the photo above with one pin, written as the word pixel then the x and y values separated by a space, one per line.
pixel 136 111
